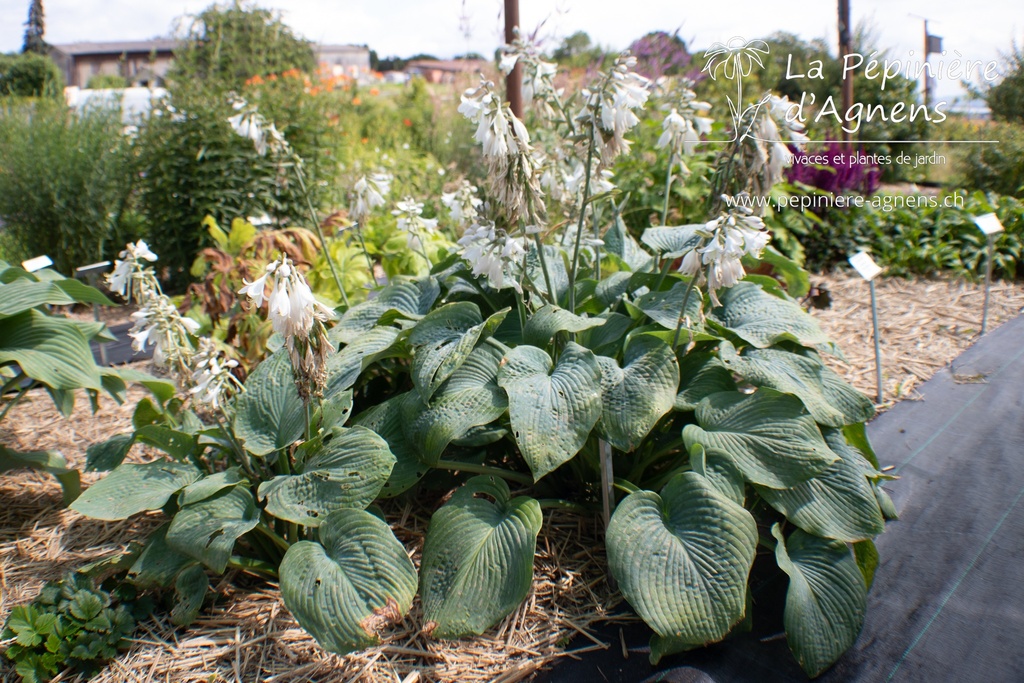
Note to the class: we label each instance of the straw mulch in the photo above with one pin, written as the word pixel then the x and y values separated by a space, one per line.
pixel 923 326
pixel 248 635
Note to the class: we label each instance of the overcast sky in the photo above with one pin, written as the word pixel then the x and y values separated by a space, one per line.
pixel 978 29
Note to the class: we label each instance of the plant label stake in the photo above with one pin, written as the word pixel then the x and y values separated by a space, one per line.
pixel 869 270
pixel 37 263
pixel 990 225
pixel 91 273
pixel 607 489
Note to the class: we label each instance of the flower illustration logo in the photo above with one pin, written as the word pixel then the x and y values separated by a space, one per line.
pixel 735 59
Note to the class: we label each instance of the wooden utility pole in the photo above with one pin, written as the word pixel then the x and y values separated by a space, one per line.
pixel 844 50
pixel 514 81
pixel 927 81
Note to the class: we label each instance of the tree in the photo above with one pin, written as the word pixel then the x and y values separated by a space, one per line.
pixel 224 46
pixel 1006 98
pixel 660 54
pixel 34 29
pixel 577 51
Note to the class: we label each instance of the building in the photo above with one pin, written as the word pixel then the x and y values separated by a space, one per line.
pixel 445 71
pixel 146 62
pixel 139 62
pixel 344 60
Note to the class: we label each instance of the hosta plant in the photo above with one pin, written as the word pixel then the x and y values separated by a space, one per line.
pixel 553 360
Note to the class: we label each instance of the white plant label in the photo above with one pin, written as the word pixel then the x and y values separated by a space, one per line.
pixel 37 263
pixel 989 224
pixel 865 265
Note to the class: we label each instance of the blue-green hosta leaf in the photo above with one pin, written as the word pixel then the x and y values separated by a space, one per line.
pixel 207 530
pixel 345 366
pixel 162 389
pixel 444 339
pixel 478 558
pixel 208 486
pixel 49 349
pixel 269 414
pixel 347 470
pixel 720 472
pixel 700 375
pixel 189 591
pixel 829 399
pixel 386 419
pixel 826 599
pixel 618 241
pixel 158 564
pixel 673 241
pixel 634 398
pixel 607 339
pixel 763 320
pixel 133 488
pixel 470 398
pixel 768 435
pixel 550 320
pixel 797 281
pixel 612 287
pixel 839 503
pixel 24 294
pixel 351 585
pixel 106 455
pixel 397 300
pixel 663 307
pixel 552 410
pixel 682 558
pixel 174 443
pixel 556 261
pixel 46 461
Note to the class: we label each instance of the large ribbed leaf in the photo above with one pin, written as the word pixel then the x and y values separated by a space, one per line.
pixel 663 307
pixel 673 241
pixel 470 398
pixel 552 411
pixel 133 488
pixel 397 300
pixel 443 340
pixel 549 320
pixel 23 294
pixel 190 590
pixel 556 259
pixel 106 455
pixel 158 564
pixel 386 419
pixel 682 558
pixel 829 399
pixel 46 461
pixel 763 320
pixel 210 485
pixel 700 375
pixel 478 558
pixel 769 436
pixel 51 350
pixel 619 242
pixel 634 398
pixel 344 367
pixel 825 601
pixel 839 503
pixel 346 470
pixel 207 530
pixel 269 415
pixel 352 584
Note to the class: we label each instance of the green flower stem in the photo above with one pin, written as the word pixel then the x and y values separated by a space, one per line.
pixel 663 274
pixel 17 399
pixel 243 456
pixel 624 485
pixel 517 477
pixel 253 566
pixel 476 285
pixel 682 311
pixel 543 267
pixel 362 244
pixel 11 383
pixel 582 219
pixel 497 344
pixel 319 231
pixel 274 538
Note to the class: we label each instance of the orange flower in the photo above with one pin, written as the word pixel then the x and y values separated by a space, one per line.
pixel 407 123
pixel 375 91
pixel 315 90
pixel 365 140
pixel 356 101
pixel 255 80
pixel 272 77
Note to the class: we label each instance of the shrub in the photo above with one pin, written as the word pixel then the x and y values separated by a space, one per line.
pixel 106 81
pixel 994 167
pixel 30 75
pixel 66 182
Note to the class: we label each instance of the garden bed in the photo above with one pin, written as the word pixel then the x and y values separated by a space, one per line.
pixel 249 635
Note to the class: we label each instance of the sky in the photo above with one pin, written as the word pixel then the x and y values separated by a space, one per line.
pixel 979 30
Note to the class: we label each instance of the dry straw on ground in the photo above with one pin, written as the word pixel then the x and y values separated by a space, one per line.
pixel 249 636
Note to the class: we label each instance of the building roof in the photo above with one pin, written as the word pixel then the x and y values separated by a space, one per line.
pixel 117 48
pixel 342 48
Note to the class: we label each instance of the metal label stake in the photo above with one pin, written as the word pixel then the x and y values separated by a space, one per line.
pixel 990 225
pixel 869 270
pixel 91 274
